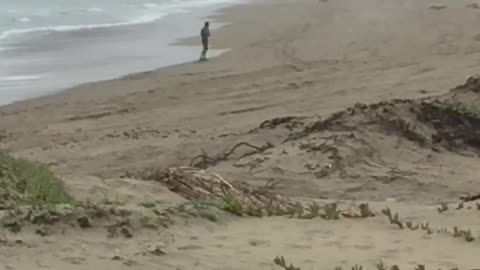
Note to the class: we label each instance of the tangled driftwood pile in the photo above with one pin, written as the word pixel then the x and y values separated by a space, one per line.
pixel 202 185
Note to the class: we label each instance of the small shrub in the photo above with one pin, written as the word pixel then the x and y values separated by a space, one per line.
pixel 331 212
pixel 394 219
pixel 443 208
pixel 232 205
pixel 460 206
pixel 466 234
pixel 412 227
pixel 29 183
pixel 280 261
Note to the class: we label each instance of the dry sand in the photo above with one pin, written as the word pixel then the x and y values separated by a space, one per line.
pixel 304 60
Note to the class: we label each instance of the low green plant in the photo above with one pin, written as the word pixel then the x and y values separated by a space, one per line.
pixel 331 212
pixel 442 230
pixel 31 187
pixel 357 267
pixel 148 204
pixel 458 107
pixel 233 205
pixel 412 227
pixel 425 226
pixel 381 266
pixel 365 211
pixel 203 210
pixel 393 218
pixel 313 211
pixel 25 182
pixel 296 209
pixel 460 206
pixel 443 208
pixel 280 261
pixel 466 234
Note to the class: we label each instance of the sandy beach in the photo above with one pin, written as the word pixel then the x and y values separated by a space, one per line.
pixel 331 100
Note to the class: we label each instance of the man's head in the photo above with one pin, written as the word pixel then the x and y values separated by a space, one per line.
pixel 207 24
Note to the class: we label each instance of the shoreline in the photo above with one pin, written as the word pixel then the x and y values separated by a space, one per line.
pixel 21 84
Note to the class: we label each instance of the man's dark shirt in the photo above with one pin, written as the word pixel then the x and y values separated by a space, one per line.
pixel 205 34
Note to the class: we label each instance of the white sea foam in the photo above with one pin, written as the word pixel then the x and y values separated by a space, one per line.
pixel 64 28
pixel 149 11
pixel 150 5
pixel 25 19
pixel 20 78
pixel 95 9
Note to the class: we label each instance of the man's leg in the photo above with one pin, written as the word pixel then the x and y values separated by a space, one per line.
pixel 205 49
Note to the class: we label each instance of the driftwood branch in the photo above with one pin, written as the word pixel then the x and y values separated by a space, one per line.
pixel 204 161
pixel 197 184
pixel 470 198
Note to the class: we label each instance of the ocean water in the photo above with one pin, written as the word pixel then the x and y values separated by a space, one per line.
pixel 50 45
pixel 22 17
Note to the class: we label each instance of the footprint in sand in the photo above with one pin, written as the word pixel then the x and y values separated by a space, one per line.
pixel 222 237
pixel 301 246
pixel 363 247
pixel 438 7
pixel 74 260
pixel 334 244
pixel 190 247
pixel 256 243
pixel 390 253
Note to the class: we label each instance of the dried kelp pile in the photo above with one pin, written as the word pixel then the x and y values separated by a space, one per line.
pixel 201 185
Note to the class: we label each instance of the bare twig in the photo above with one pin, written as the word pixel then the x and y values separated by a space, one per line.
pixel 470 198
pixel 204 161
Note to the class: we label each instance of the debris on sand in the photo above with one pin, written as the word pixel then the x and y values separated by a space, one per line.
pixel 438 7
pixel 202 185
pixel 84 222
pixel 360 144
pixel 204 161
pixel 470 197
pixel 473 5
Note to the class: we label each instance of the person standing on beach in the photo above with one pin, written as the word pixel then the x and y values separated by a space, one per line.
pixel 205 34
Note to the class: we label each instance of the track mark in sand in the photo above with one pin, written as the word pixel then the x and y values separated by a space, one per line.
pixel 188 74
pixel 3 135
pixel 424 70
pixel 98 115
pixel 299 246
pixel 251 109
pixel 390 253
pixel 337 244
pixel 294 85
pixel 473 5
pixel 255 243
pixel 137 133
pixel 190 247
pixel 363 247
pixel 75 260
pixel 438 7
pixel 221 237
